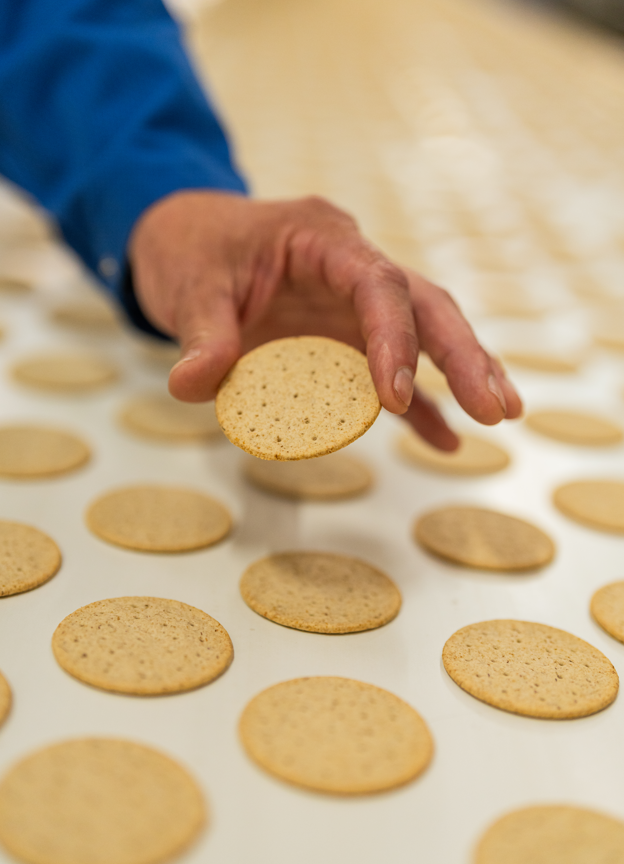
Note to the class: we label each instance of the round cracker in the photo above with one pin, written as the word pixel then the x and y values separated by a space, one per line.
pixel 607 607
pixel 575 427
pixel 14 285
pixel 87 313
pixel 552 834
pixel 483 538
pixel 158 415
pixel 297 398
pixel 429 378
pixel 336 735
pixel 474 455
pixel 142 645
pixel 29 452
pixel 98 801
pixel 6 698
pixel 597 503
pixel 65 372
pixel 158 519
pixel 326 478
pixel 320 592
pixel 542 362
pixel 530 669
pixel 28 558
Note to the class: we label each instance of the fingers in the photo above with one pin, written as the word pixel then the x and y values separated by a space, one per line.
pixel 209 335
pixel 477 381
pixel 378 290
pixel 423 415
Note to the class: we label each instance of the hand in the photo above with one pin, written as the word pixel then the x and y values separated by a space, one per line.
pixel 222 273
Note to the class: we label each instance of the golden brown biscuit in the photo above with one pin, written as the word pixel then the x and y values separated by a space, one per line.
pixel 87 313
pixel 142 645
pixel 297 398
pixel 71 373
pixel 98 801
pixel 31 452
pixel 542 362
pixel 607 607
pixel 6 699
pixel 28 558
pixel 483 538
pixel 158 415
pixel 575 427
pixel 530 669
pixel 474 455
pixel 320 592
pixel 325 478
pixel 552 834
pixel 336 735
pixel 597 503
pixel 158 519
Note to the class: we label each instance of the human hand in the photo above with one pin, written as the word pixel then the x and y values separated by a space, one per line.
pixel 222 273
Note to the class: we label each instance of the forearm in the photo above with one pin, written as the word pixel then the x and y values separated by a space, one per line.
pixel 101 115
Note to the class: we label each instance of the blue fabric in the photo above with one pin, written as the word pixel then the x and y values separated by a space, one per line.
pixel 100 116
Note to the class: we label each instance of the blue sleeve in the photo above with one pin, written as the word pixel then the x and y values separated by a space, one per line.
pixel 100 116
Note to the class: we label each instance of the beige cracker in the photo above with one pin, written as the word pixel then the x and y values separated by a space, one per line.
pixel 336 735
pixel 142 645
pixel 530 669
pixel 325 478
pixel 5 698
pixel 552 834
pixel 98 801
pixel 159 415
pixel 539 362
pixel 297 398
pixel 607 607
pixel 320 592
pixel 93 313
pixel 574 427
pixel 474 455
pixel 65 372
pixel 158 519
pixel 484 538
pixel 29 452
pixel 28 558
pixel 597 503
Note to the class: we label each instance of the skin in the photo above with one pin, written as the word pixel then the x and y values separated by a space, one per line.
pixel 222 274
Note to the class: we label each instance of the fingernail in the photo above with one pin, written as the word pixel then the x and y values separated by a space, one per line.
pixel 404 385
pixel 191 354
pixel 495 389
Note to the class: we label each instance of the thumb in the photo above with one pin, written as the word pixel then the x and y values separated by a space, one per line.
pixel 210 341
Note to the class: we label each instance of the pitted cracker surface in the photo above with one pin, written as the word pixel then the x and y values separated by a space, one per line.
pixel 65 372
pixel 336 735
pixel 474 455
pixel 607 607
pixel 552 834
pixel 320 592
pixel 575 427
pixel 5 698
pixel 28 558
pixel 142 645
pixel 297 398
pixel 30 452
pixel 99 801
pixel 158 519
pixel 159 416
pixel 597 503
pixel 483 538
pixel 325 478
pixel 530 669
